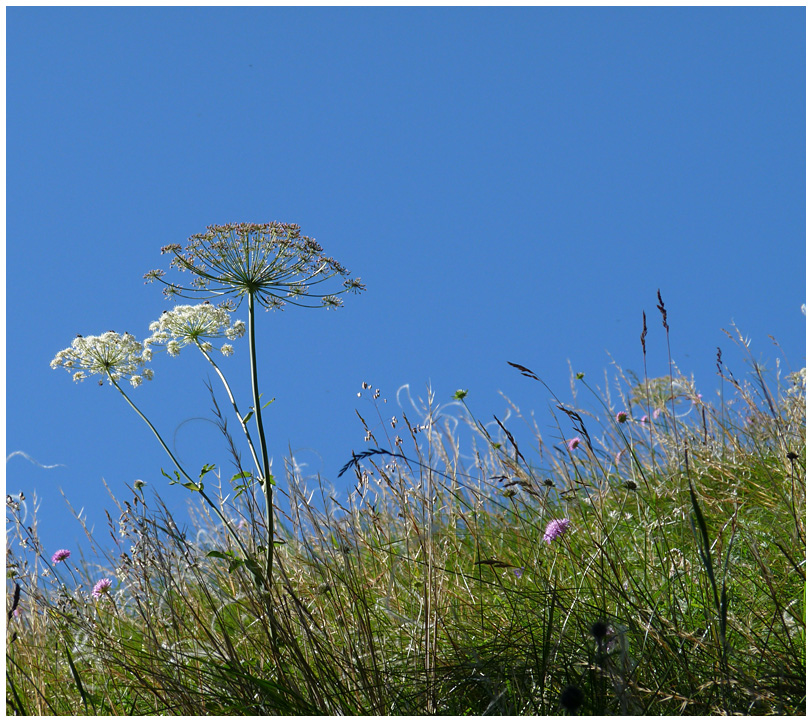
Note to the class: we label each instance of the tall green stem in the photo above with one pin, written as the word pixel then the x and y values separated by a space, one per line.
pixel 266 469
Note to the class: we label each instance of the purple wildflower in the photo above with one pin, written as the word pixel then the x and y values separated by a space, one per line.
pixel 644 420
pixel 572 444
pixel 518 571
pixel 621 417
pixel 555 529
pixel 102 587
pixel 60 555
pixel 656 414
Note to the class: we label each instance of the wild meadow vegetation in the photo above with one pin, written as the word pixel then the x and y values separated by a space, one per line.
pixel 644 554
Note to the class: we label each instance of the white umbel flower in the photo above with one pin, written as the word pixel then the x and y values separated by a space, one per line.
pixel 115 356
pixel 192 325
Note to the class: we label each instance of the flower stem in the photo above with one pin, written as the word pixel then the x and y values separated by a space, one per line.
pixel 233 404
pixel 267 479
pixel 205 496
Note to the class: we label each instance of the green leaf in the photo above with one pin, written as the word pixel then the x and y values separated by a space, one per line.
pixel 76 677
pixel 176 477
pixel 206 469
pixel 247 417
pixel 242 475
pixel 191 485
pixel 17 700
pixel 214 554
pixel 269 402
pixel 253 567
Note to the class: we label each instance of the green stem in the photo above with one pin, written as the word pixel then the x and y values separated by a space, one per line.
pixel 267 479
pixel 206 498
pixel 233 404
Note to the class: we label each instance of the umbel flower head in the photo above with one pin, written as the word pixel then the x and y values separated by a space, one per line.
pixel 272 262
pixel 194 324
pixel 115 356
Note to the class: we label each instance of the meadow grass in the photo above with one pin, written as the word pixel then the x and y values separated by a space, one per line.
pixel 438 585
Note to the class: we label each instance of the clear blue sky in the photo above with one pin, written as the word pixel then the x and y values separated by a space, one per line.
pixel 511 185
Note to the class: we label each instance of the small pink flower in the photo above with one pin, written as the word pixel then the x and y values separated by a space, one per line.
pixel 572 444
pixel 644 420
pixel 656 414
pixel 60 555
pixel 555 529
pixel 621 417
pixel 102 587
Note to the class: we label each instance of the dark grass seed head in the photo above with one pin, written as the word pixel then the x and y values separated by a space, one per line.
pixel 599 630
pixel 571 698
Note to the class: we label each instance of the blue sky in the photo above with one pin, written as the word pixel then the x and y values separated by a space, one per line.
pixel 510 184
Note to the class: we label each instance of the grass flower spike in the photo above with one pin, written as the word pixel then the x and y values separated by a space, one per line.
pixel 272 262
pixel 115 356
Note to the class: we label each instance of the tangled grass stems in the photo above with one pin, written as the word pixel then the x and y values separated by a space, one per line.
pixel 676 587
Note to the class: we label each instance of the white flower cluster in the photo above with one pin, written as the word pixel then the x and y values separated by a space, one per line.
pixel 112 355
pixel 193 324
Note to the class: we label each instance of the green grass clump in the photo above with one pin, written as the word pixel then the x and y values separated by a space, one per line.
pixel 676 588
